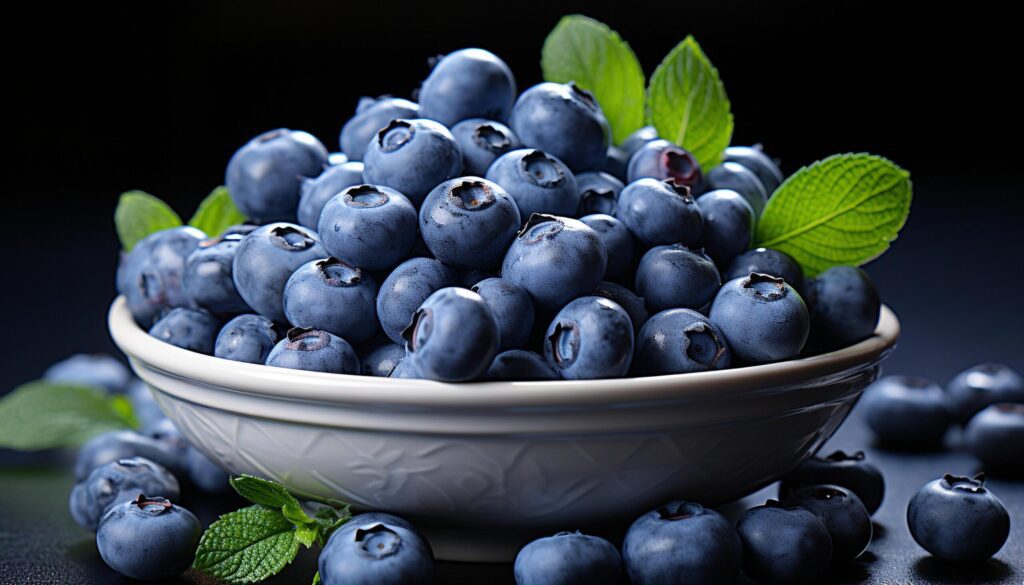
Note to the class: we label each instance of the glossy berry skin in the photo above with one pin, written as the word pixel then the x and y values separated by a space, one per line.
pixel 996 437
pixel 246 338
pixel 958 519
pixel 590 338
pixel 95 370
pixel 599 193
pixel 372 115
pixel 512 309
pixel 468 223
pixel 520 364
pixel 538 182
pixel 114 445
pixel 852 472
pixel 616 163
pixel 315 351
pixel 736 177
pixel 660 212
pixel 638 139
pixel 382 359
pixel 556 259
pixel 412 157
pixel 844 306
pixel 117 482
pixel 979 386
pixel 148 538
pixel 905 412
pixel 677 341
pixel 264 176
pixel 783 545
pixel 153 275
pixel 469 83
pixel 842 513
pixel 728 225
pixel 763 318
pixel 208 280
pixel 191 329
pixel 627 299
pixel 482 141
pixel 316 192
pixel 564 121
pixel 676 277
pixel 372 549
pixel 766 261
pixel 405 289
pixel 618 243
pixel 204 473
pixel 452 337
pixel 264 261
pixel 759 163
pixel 661 160
pixel 682 540
pixel 569 558
pixel 333 296
pixel 368 226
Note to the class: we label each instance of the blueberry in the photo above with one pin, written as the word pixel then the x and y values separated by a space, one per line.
pixel 333 296
pixel 204 473
pixel 784 544
pixel 520 364
pixel 470 83
pixel 315 193
pixel 844 306
pixel 482 142
pixel 677 341
pixel 368 519
pixel 148 538
pixel 638 139
pixel 996 437
pixel 661 160
pixel 96 370
pixel 736 177
pixel 627 299
pixel 316 351
pixel 379 552
pixel 452 337
pixel 240 229
pixel 115 445
pixel 469 222
pixel 512 309
pixel 167 433
pixel 616 163
pixel 382 359
pixel 728 225
pixel 412 157
pixel 154 271
pixel 762 318
pixel 958 519
pixel 403 369
pixel 906 412
pixel 246 338
pixel 767 261
pixel 676 277
pixel 590 338
pixel 618 243
pixel 191 329
pixel 842 513
pixel 146 410
pixel 405 289
pixel 565 121
pixel 337 158
pixel 539 182
pixel 208 277
pixel 371 116
pixel 754 158
pixel 264 176
pixel 681 542
pixel 660 212
pixel 977 387
pixel 569 558
pixel 264 261
pixel 556 259
pixel 116 482
pixel 852 472
pixel 599 193
pixel 369 226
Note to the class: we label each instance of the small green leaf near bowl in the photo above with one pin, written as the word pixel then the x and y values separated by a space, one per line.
pixel 216 213
pixel 139 214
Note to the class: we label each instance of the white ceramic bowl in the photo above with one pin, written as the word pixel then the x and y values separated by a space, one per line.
pixel 481 467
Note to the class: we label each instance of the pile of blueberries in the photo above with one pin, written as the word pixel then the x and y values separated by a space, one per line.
pixel 478 235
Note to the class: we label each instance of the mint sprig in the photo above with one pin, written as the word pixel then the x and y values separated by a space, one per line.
pixel 43 415
pixel 139 214
pixel 216 213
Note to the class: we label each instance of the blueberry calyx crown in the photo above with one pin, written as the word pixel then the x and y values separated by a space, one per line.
pixel 679 511
pixel 307 339
pixel 364 196
pixel 914 382
pixel 765 286
pixel 565 343
pixel 681 190
pixel 289 238
pixel 335 272
pixel 973 485
pixel 377 541
pixel 541 169
pixel 531 236
pixel 471 195
pixel 395 135
pixel 272 135
pixel 490 138
pixel 1010 408
pixel 773 503
pixel 696 348
pixel 418 330
pixel 583 95
pixel 840 455
pixel 680 165
pixel 154 505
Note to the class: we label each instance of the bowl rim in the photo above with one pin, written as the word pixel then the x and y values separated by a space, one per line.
pixel 350 390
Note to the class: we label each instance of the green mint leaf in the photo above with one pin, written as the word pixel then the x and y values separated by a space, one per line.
pixel 267 493
pixel 123 407
pixel 216 213
pixel 247 545
pixel 330 519
pixel 41 415
pixel 139 214
pixel 843 210
pixel 307 534
pixel 295 513
pixel 588 53
pixel 686 102
pixel 316 578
